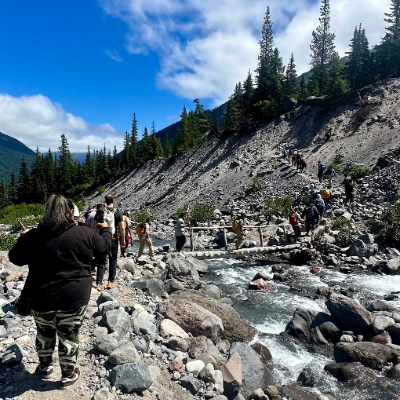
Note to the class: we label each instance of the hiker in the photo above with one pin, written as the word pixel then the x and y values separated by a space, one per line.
pixel 348 190
pixel 295 220
pixel 298 157
pixel 124 244
pixel 321 170
pixel 179 233
pixel 240 231
pixel 328 134
pixel 290 155
pixel 312 217
pixel 145 239
pixel 294 158
pixel 330 173
pixel 320 204
pixel 58 254
pixel 113 217
pixel 303 163
pixel 327 195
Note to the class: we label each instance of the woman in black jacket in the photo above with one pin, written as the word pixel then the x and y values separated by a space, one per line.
pixel 59 255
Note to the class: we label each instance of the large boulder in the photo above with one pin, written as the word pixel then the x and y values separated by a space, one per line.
pixel 372 355
pixel 351 314
pixel 350 371
pixel 117 321
pixel 295 393
pixel 131 378
pixel 236 328
pixel 145 327
pixel 150 285
pixel 232 376
pixel 254 373
pixel 192 318
pixel 200 266
pixel 361 249
pixel 170 328
pixel 313 327
pixel 181 270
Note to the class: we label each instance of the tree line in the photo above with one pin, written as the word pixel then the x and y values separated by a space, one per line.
pixel 274 84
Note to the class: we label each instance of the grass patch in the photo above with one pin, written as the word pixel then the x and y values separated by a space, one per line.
pixel 29 214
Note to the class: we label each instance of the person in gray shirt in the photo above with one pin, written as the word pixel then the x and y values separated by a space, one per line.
pixel 179 234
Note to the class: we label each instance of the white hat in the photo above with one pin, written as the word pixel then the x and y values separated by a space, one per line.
pixel 76 211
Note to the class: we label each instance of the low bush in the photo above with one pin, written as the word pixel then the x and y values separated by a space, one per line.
pixel 29 214
pixel 347 234
pixel 201 213
pixel 390 220
pixel 278 206
pixel 340 223
pixel 254 185
pixel 6 241
pixel 337 161
pixel 101 189
pixel 358 171
pixel 142 214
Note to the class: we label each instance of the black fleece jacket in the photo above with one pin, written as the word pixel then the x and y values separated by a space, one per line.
pixel 59 264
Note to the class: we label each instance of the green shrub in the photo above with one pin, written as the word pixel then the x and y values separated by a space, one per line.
pixel 81 204
pixel 278 206
pixel 201 213
pixel 254 185
pixel 275 165
pixel 101 189
pixel 6 241
pixel 390 220
pixel 337 161
pixel 142 214
pixel 358 171
pixel 181 210
pixel 29 214
pixel 347 234
pixel 340 223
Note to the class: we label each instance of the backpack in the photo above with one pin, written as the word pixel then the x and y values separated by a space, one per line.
pixel 109 218
pixel 124 222
pixel 322 167
pixel 235 225
pixel 303 160
pixel 140 228
pixel 309 212
pixel 290 152
pixel 326 194
pixel 293 219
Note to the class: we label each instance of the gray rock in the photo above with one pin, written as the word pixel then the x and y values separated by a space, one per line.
pixel 213 291
pixel 173 285
pixel 263 352
pixel 117 321
pixel 104 297
pixel 380 305
pixel 354 371
pixel 368 238
pixel 295 393
pixel 3 331
pixel 307 377
pixel 130 378
pixel 103 394
pixel 191 384
pixel 145 327
pixel 12 356
pixel 108 306
pixel 125 353
pixel 200 266
pixel 150 285
pixel 106 345
pixel 360 249
pixel 181 270
pixel 350 313
pixel 254 373
pixel 381 323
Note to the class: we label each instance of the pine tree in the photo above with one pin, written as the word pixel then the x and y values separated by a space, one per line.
pixel 49 173
pixel 323 48
pixel 358 69
pixel 336 82
pixel 4 200
pixel 145 146
pixel 134 141
pixel 24 183
pixel 116 169
pixel 232 116
pixel 12 189
pixel 38 189
pixel 64 167
pixel 126 152
pixel 181 142
pixel 203 124
pixel 167 147
pixel 303 89
pixel 89 166
pixel 248 95
pixel 290 87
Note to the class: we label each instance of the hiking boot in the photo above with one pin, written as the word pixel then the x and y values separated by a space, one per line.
pixel 46 371
pixel 110 286
pixel 70 380
pixel 99 288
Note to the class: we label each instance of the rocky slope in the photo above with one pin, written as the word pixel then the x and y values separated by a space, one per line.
pixel 365 126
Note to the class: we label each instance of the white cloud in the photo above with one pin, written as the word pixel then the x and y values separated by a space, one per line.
pixel 114 55
pixel 38 122
pixel 207 46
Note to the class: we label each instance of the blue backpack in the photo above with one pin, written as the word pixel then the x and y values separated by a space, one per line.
pixel 309 213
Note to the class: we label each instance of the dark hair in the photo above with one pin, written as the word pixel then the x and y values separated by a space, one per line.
pixel 243 215
pixel 147 219
pixel 329 187
pixel 181 215
pixel 109 198
pixel 57 212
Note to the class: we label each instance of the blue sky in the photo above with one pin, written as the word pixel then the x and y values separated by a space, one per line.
pixel 83 67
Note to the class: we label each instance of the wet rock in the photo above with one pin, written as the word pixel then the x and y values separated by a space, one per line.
pixel 261 275
pixel 170 328
pixel 350 313
pixel 372 355
pixel 392 267
pixel 192 318
pixel 295 393
pixel 12 356
pixel 380 305
pixel 307 377
pixel 313 327
pixel 263 352
pixel 191 384
pixel 235 327
pixel 150 285
pixel 303 256
pixel 350 371
pixel 254 373
pixel 130 378
pixel 259 284
pixel 117 321
pixel 125 353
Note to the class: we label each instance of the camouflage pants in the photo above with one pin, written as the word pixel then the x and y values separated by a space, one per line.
pixel 64 324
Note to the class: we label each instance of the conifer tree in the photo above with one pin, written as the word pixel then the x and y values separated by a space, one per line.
pixel 126 152
pixel 4 200
pixel 134 141
pixel 167 147
pixel 181 142
pixel 89 166
pixel 64 167
pixel 49 172
pixel 203 124
pixel 232 116
pixel 290 87
pixel 144 146
pixel 358 69
pixel 248 95
pixel 24 183
pixel 12 189
pixel 116 162
pixel 336 82
pixel 322 47
pixel 303 89
pixel 38 189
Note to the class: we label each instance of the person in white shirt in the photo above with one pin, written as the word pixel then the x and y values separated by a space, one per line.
pixel 179 233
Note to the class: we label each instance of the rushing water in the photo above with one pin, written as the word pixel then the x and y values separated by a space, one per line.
pixel 269 312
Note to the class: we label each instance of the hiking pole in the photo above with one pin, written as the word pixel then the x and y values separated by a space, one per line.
pixel 190 229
